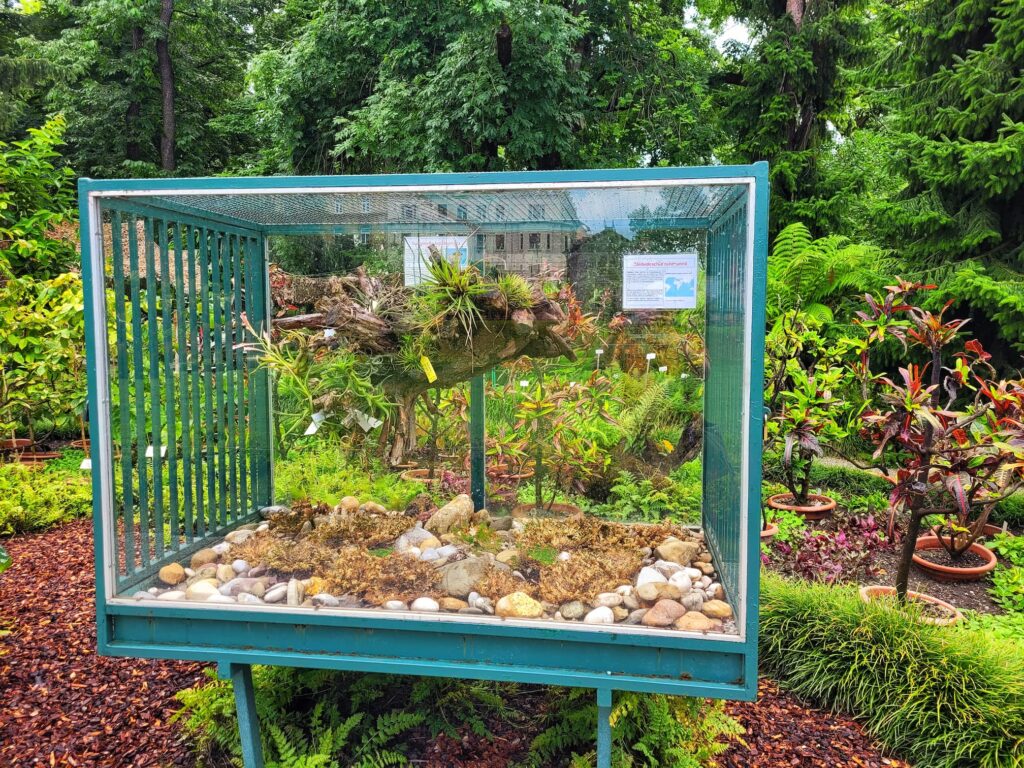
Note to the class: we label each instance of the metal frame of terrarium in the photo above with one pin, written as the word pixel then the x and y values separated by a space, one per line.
pixel 237 636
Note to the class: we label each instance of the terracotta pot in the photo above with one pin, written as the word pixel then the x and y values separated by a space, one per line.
pixel 952 572
pixel 82 445
pixel 817 510
pixel 36 457
pixel 16 444
pixel 869 593
pixel 501 472
pixel 768 533
pixel 405 465
pixel 421 476
pixel 990 530
pixel 555 510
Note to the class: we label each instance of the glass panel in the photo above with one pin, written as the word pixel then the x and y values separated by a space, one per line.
pixel 605 483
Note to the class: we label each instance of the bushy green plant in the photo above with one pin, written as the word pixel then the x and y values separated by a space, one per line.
pixel 834 477
pixel 327 473
pixel 1010 510
pixel 35 501
pixel 515 290
pixel 938 697
pixel 647 730
pixel 1004 626
pixel 676 496
pixel 1008 588
pixel 1010 548
pixel 791 525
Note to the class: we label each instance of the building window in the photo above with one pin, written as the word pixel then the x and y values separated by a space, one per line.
pixel 461 213
pixel 499 242
pixel 499 213
pixel 480 243
pixel 366 205
pixel 442 209
pixel 481 212
pixel 536 211
pixel 548 242
pixel 566 246
pixel 534 241
pixel 409 212
pixel 520 242
pixel 364 238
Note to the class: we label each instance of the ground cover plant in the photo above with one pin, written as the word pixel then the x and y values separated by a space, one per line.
pixel 939 697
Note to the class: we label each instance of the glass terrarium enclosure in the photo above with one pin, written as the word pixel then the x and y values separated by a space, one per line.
pixel 488 425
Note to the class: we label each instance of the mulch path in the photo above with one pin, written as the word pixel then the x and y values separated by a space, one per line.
pixel 780 731
pixel 61 705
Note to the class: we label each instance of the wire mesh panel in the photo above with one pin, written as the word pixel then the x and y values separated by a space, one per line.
pixel 189 408
pixel 724 393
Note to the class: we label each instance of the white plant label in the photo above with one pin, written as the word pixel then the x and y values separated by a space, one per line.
pixel 86 463
pixel 150 451
pixel 318 418
pixel 417 254
pixel 329 333
pixel 659 280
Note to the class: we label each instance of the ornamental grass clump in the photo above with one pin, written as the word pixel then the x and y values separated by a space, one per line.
pixel 937 696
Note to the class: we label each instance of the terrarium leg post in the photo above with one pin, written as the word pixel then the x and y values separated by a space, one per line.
pixel 477 433
pixel 245 705
pixel 604 728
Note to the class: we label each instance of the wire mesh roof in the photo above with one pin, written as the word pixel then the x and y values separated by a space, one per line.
pixel 621 205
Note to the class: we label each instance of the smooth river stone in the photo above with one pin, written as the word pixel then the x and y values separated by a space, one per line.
pixel 201 590
pixel 276 593
pixel 600 615
pixel 519 605
pixel 650 575
pixel 692 621
pixel 172 573
pixel 425 604
pixel 663 614
pixel 607 600
pixel 717 609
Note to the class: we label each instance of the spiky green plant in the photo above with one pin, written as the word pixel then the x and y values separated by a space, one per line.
pixel 515 290
pixel 445 304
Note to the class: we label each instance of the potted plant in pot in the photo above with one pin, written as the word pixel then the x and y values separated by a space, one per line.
pixel 806 422
pixel 958 438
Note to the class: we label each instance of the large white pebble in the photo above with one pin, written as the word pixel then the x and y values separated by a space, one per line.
pixel 395 605
pixel 693 573
pixel 239 566
pixel 425 604
pixel 602 615
pixel 276 593
pixel 682 581
pixel 217 597
pixel 650 575
pixel 667 567
pixel 221 548
pixel 174 594
pixel 246 599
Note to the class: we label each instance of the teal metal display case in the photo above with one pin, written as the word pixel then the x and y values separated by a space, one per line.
pixel 215 404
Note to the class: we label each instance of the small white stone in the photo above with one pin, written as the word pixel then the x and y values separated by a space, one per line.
pixel 174 594
pixel 276 593
pixel 142 595
pixel 667 567
pixel 429 555
pixel 625 590
pixel 217 597
pixel 425 604
pixel 395 605
pixel 705 582
pixel 221 548
pixel 601 615
pixel 239 566
pixel 564 557
pixel 413 552
pixel 153 590
pixel 682 581
pixel 607 600
pixel 650 575
pixel 448 550
pixel 201 590
pixel 693 573
pixel 262 528
pixel 189 573
pixel 238 537
pixel 471 598
pixel 326 600
pixel 246 599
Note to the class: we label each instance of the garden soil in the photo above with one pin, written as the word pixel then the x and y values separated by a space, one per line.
pixel 65 706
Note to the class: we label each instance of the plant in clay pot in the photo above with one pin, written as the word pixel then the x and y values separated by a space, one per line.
pixel 807 421
pixel 955 461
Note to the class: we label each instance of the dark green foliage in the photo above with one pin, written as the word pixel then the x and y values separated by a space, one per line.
pixel 844 479
pixel 1010 510
pixel 34 501
pixel 940 697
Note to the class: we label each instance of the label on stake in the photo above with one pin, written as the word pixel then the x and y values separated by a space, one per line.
pixel 428 369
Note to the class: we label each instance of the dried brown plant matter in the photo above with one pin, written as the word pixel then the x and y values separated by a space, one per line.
pixel 587 574
pixel 591 534
pixel 497 583
pixel 362 529
pixel 379 579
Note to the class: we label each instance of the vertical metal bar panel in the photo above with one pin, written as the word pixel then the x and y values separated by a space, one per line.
pixel 155 404
pixel 260 416
pixel 170 390
pixel 141 420
pixel 477 447
pixel 217 344
pixel 181 323
pixel 241 288
pixel 123 400
pixel 195 263
pixel 207 246
pixel 227 298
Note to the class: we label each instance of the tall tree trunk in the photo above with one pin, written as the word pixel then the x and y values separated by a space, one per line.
pixel 133 149
pixel 163 56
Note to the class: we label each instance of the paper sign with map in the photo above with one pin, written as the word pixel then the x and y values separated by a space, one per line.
pixel 417 253
pixel 659 281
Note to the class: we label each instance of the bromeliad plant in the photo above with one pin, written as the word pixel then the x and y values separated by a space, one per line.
pixel 955 462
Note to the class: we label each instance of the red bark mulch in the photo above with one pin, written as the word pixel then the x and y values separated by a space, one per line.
pixel 783 732
pixel 61 705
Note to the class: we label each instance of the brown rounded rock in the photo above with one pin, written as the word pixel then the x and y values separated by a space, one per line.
pixel 717 609
pixel 348 504
pixel 519 605
pixel 663 614
pixel 507 556
pixel 676 551
pixel 172 574
pixel 452 604
pixel 692 621
pixel 203 557
pixel 652 591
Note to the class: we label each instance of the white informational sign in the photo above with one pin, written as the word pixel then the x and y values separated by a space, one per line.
pixel 659 280
pixel 417 254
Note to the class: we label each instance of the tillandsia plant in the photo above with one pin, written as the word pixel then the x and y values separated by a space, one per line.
pixel 807 421
pixel 958 436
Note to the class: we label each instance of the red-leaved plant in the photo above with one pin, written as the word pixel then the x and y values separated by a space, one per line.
pixel 956 433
